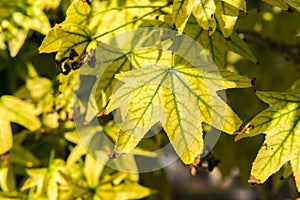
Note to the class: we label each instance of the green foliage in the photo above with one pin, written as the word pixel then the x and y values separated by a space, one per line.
pixel 41 154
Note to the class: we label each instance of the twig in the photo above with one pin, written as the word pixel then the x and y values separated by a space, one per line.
pixel 290 51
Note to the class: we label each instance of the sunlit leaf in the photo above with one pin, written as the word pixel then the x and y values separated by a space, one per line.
pixel 7 180
pixel 204 13
pixel 20 112
pixel 93 170
pixel 50 4
pixel 38 87
pixel 122 192
pixel 160 94
pixel 217 46
pixel 6 140
pixel 36 179
pixel 182 9
pixel 77 152
pixel 280 123
pixel 64 38
pixel 108 82
pixel 14 110
pixel 227 16
pixel 78 13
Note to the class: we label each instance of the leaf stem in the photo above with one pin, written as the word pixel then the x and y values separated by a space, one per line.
pixel 289 51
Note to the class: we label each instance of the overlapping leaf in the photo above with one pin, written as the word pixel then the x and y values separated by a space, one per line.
pixel 64 38
pixel 71 39
pixel 281 124
pixel 180 98
pixel 204 14
pixel 203 11
pixel 227 16
pixel 182 9
pixel 217 45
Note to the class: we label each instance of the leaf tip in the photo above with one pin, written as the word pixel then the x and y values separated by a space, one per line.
pixel 194 165
pixel 253 180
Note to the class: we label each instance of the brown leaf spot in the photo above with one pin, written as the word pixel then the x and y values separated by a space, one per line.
pixel 73 54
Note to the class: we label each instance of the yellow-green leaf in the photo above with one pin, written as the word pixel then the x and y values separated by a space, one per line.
pixel 204 13
pixel 6 139
pixel 78 13
pixel 7 180
pixel 280 123
pixel 93 170
pixel 180 98
pixel 182 9
pixel 20 112
pixel 215 45
pixel 107 81
pixel 227 16
pixel 63 38
pixel 13 109
pixel 36 179
pixel 124 191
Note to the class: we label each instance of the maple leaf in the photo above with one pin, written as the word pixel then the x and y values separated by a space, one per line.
pixel 280 123
pixel 203 11
pixel 180 97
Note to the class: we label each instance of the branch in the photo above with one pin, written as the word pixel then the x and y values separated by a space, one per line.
pixel 290 52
